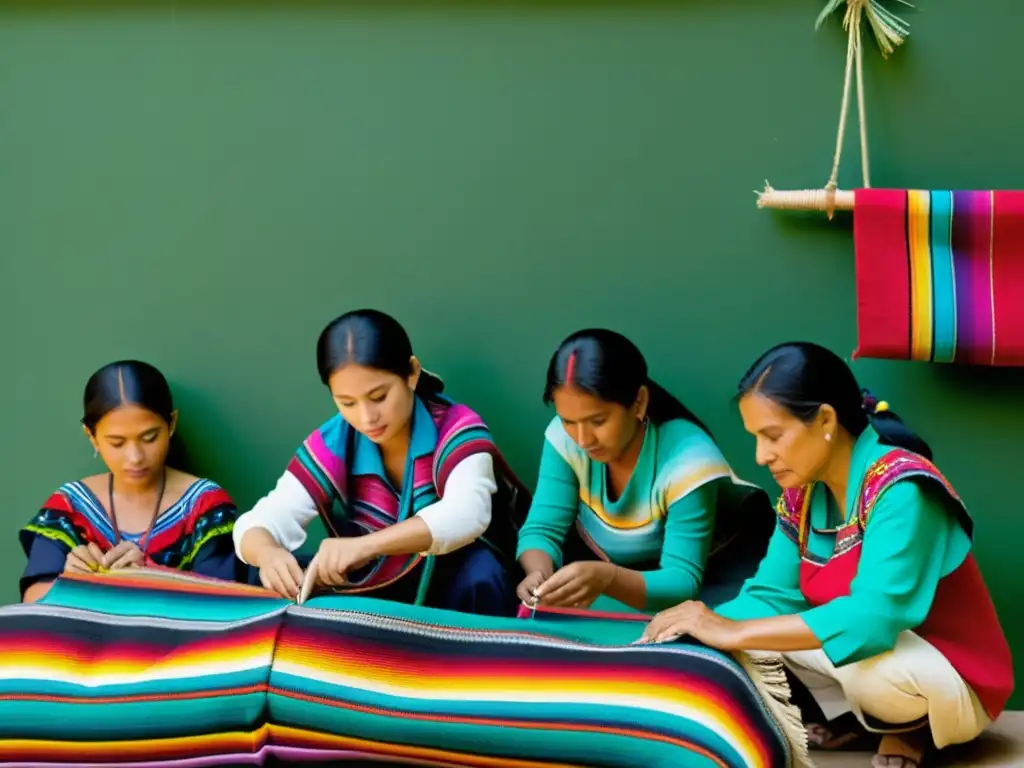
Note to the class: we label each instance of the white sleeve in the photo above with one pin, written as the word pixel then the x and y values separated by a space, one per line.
pixel 464 512
pixel 284 513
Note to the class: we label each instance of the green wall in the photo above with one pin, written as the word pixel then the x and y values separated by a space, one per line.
pixel 205 185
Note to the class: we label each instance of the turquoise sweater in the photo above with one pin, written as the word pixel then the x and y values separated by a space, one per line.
pixel 661 524
pixel 910 542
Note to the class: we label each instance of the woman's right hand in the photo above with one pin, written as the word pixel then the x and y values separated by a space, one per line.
pixel 280 572
pixel 83 559
pixel 529 585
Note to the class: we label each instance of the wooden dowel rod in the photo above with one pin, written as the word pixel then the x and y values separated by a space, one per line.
pixel 806 199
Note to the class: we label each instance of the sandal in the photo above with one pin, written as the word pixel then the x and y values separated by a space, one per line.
pixel 889 760
pixel 845 734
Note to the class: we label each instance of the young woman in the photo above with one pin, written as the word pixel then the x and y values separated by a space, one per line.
pixel 140 513
pixel 402 477
pixel 634 500
pixel 869 587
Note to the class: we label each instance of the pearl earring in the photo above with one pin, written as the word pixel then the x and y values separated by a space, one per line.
pixel 828 438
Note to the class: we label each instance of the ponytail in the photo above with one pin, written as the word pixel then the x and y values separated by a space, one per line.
pixel 429 385
pixel 891 429
pixel 664 406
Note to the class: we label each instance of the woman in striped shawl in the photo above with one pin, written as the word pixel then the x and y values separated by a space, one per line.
pixel 402 477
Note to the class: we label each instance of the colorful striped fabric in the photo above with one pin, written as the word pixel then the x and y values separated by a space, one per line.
pixel 341 471
pixel 167 669
pixel 940 275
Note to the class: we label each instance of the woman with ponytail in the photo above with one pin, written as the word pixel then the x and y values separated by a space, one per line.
pixel 146 510
pixel 401 476
pixel 869 589
pixel 634 500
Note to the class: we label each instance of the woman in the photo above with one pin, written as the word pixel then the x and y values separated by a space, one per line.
pixel 402 477
pixel 869 587
pixel 628 492
pixel 141 512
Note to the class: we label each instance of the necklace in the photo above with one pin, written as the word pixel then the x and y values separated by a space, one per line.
pixel 144 538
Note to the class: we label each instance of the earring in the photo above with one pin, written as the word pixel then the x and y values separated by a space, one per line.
pixel 828 438
pixel 95 452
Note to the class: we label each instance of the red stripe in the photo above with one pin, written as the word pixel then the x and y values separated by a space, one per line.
pixel 137 698
pixel 1008 277
pixel 883 277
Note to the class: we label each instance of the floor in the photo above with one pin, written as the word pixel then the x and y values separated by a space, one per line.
pixel 1001 746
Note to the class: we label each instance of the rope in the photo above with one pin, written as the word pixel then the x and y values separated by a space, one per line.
pixel 854 63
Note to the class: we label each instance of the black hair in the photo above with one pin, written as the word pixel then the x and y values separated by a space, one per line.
pixel 609 366
pixel 131 382
pixel 373 339
pixel 801 377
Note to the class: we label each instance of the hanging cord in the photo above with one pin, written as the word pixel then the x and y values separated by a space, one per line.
pixel 854 63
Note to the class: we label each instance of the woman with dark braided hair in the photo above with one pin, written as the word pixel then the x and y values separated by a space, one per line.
pixel 869 589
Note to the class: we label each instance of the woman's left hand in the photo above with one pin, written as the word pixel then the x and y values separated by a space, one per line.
pixel 576 585
pixel 124 555
pixel 336 557
pixel 695 619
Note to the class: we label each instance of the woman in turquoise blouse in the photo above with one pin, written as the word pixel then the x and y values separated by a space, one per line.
pixel 869 589
pixel 634 499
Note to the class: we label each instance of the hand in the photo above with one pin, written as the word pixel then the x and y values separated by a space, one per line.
pixel 83 559
pixel 695 619
pixel 336 557
pixel 527 587
pixel 280 572
pixel 576 585
pixel 124 555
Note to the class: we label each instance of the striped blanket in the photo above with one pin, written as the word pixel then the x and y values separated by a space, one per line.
pixel 940 275
pixel 158 669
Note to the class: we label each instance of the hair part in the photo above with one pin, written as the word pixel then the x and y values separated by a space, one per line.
pixel 373 339
pixel 610 367
pixel 131 382
pixel 802 377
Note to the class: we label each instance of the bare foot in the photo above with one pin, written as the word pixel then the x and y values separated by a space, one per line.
pixel 903 750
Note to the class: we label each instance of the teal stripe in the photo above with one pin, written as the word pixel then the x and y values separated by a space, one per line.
pixel 522 743
pixel 146 720
pixel 111 599
pixel 943 281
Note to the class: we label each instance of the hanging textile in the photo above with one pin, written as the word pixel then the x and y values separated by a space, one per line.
pixel 940 275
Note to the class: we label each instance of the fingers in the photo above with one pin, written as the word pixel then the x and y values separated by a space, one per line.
pixel 558 579
pixel 115 554
pixel 131 556
pixel 332 571
pixel 528 587
pixel 76 563
pixel 270 580
pixel 286 578
pixel 294 570
pixel 278 578
pixel 93 553
pixel 562 595
pixel 574 598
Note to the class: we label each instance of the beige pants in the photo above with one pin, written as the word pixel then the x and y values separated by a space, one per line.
pixel 905 684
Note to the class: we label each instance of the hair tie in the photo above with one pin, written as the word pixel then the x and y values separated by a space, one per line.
pixel 872 405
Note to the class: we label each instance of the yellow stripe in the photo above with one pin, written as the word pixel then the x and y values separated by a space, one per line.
pixel 918 238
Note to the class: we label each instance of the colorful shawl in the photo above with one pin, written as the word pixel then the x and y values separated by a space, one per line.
pixel 155 668
pixel 339 468
pixel 74 516
pixel 940 275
